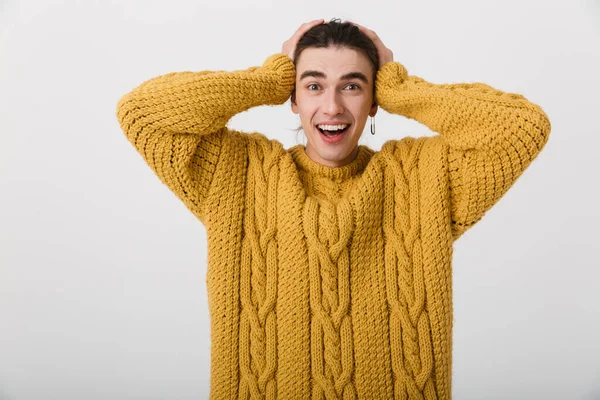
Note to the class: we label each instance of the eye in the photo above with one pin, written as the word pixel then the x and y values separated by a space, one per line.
pixel 353 86
pixel 313 86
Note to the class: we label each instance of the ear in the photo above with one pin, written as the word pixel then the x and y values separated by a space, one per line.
pixel 293 103
pixel 373 110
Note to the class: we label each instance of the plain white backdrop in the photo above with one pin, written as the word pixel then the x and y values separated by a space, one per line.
pixel 102 268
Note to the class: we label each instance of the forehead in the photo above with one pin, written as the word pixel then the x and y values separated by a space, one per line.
pixel 333 61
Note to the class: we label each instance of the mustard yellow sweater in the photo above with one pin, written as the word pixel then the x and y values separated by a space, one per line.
pixel 331 283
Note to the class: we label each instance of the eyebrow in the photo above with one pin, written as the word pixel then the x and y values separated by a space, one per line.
pixel 350 75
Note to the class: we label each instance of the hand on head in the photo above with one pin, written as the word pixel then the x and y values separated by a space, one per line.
pixel 385 54
pixel 289 46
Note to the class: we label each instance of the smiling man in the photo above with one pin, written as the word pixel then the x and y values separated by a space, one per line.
pixel 329 271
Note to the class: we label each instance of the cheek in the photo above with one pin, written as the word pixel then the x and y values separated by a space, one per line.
pixel 359 107
pixel 306 108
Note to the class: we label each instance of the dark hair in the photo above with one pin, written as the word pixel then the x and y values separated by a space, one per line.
pixel 339 34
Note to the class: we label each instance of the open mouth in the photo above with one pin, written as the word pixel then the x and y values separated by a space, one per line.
pixel 333 134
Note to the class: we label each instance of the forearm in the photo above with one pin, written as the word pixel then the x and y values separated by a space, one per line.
pixel 467 116
pixel 203 102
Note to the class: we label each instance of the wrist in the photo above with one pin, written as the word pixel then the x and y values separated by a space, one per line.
pixel 285 72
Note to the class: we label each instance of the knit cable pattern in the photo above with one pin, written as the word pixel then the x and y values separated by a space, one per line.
pixel 258 290
pixel 410 333
pixel 328 229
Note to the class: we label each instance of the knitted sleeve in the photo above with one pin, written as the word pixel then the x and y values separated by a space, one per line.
pixel 177 121
pixel 491 136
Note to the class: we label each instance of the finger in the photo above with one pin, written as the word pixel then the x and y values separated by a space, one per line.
pixel 292 42
pixel 371 34
pixel 311 24
pixel 305 27
pixel 357 24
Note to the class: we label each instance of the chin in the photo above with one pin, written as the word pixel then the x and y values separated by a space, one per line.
pixel 336 151
pixel 334 154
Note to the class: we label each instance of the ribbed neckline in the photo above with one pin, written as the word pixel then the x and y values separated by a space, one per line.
pixel 304 162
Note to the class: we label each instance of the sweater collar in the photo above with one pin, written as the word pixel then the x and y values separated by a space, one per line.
pixel 308 165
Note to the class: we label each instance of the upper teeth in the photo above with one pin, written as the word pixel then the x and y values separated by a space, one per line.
pixel 332 127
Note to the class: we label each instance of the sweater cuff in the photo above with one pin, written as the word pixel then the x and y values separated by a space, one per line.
pixel 392 71
pixel 284 66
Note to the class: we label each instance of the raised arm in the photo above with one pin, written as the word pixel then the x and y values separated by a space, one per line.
pixel 492 136
pixel 177 121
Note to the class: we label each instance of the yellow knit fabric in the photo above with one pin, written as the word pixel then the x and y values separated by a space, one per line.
pixel 331 283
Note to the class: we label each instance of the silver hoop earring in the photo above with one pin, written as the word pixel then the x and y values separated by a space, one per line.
pixel 372 125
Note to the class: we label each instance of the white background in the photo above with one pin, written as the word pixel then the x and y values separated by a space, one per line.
pixel 102 268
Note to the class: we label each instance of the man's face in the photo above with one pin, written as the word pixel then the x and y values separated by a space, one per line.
pixel 334 89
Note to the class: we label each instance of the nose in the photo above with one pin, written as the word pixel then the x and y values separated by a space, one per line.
pixel 332 104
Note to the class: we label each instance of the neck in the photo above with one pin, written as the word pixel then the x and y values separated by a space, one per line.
pixel 310 152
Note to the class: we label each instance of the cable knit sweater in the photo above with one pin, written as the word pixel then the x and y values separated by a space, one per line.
pixel 331 283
